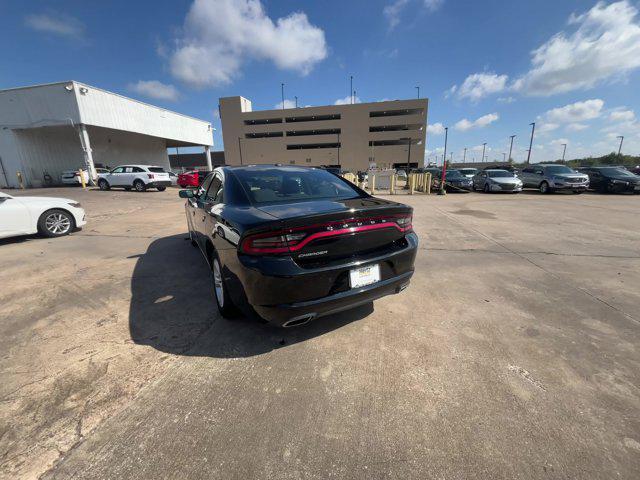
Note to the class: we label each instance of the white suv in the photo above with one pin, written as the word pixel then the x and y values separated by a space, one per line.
pixel 139 177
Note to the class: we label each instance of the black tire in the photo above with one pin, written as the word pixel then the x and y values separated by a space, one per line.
pixel 161 189
pixel 56 223
pixel 577 192
pixel 486 188
pixel 544 188
pixel 103 184
pixel 139 186
pixel 223 300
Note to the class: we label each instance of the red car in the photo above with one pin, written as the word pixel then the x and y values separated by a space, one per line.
pixel 193 178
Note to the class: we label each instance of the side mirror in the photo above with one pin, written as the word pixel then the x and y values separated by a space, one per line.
pixel 186 194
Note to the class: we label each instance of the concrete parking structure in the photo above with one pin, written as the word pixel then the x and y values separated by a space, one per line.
pixel 513 354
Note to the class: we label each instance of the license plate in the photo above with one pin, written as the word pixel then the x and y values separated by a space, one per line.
pixel 362 276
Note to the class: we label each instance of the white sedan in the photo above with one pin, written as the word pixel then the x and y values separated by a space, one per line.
pixel 48 216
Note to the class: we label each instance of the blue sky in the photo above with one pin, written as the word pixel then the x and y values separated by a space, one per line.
pixel 489 68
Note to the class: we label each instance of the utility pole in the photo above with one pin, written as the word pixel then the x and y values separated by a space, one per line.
pixel 418 88
pixel 444 163
pixel 464 157
pixel 621 137
pixel 564 150
pixel 484 145
pixel 351 89
pixel 533 129
pixel 504 159
pixel 282 90
pixel 511 146
pixel 296 101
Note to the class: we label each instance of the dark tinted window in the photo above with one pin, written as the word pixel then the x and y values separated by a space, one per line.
pixel 454 174
pixel 499 173
pixel 282 185
pixel 205 185
pixel 156 169
pixel 118 170
pixel 212 191
pixel 138 169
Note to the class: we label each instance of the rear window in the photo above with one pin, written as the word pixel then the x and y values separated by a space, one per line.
pixel 284 185
pixel 156 169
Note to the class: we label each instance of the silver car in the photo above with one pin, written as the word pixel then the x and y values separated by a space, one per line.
pixel 495 180
pixel 549 178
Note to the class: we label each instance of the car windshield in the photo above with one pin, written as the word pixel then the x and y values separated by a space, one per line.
pixel 616 172
pixel 468 171
pixel 454 174
pixel 284 185
pixel 499 173
pixel 555 169
pixel 156 169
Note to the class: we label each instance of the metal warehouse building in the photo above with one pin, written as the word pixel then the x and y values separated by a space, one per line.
pixel 47 129
pixel 388 134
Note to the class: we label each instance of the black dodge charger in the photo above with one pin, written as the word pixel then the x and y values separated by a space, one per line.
pixel 296 243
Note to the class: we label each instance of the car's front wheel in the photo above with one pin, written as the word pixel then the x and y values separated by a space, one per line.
pixel 223 300
pixel 103 184
pixel 161 189
pixel 544 187
pixel 55 223
pixel 139 186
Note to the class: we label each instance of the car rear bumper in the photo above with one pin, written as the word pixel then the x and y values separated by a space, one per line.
pixel 280 290
pixel 159 183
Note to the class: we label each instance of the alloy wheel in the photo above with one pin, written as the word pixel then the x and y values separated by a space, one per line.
pixel 57 223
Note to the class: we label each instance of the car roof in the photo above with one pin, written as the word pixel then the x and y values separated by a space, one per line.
pixel 496 170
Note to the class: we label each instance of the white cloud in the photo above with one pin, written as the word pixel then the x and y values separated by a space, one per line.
pixel 435 129
pixel 57 24
pixel 506 99
pixel 605 45
pixel 287 104
pixel 393 11
pixel 543 127
pixel 576 127
pixel 576 112
pixel 622 116
pixel 479 85
pixel 346 100
pixel 464 124
pixel 559 142
pixel 220 35
pixel 155 89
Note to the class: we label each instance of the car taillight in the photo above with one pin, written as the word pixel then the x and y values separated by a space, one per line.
pixel 293 239
pixel 150 175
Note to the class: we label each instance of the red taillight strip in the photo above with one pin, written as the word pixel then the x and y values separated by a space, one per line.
pixel 246 248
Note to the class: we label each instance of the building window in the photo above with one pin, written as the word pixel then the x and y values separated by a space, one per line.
pixel 395 128
pixel 301 133
pixel 292 162
pixel 397 113
pixel 308 160
pixel 263 121
pixel 306 146
pixel 313 118
pixel 264 135
pixel 387 143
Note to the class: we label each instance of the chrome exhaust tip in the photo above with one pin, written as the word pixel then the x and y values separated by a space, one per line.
pixel 301 320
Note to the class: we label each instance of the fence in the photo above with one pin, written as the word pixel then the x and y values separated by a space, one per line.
pixel 387 182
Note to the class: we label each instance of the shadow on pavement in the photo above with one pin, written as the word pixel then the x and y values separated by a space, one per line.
pixel 173 310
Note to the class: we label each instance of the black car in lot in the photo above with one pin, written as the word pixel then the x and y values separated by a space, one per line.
pixel 609 179
pixel 296 243
pixel 455 181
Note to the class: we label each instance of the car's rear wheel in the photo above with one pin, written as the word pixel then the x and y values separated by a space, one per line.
pixel 55 223
pixel 544 187
pixel 103 184
pixel 161 189
pixel 223 300
pixel 139 186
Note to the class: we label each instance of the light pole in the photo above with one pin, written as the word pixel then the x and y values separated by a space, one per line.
pixel 418 88
pixel 464 156
pixel 444 163
pixel 240 148
pixel 484 145
pixel 282 90
pixel 533 129
pixel 564 151
pixel 511 146
pixel 296 101
pixel 621 137
pixel 504 159
pixel 351 89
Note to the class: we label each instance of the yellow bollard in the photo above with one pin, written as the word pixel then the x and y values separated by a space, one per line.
pixel 372 181
pixel 392 184
pixel 412 180
pixel 84 185
pixel 20 180
pixel 428 184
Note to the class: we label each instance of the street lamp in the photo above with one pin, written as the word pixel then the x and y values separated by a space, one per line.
pixel 464 156
pixel 564 150
pixel 511 146
pixel 418 88
pixel 621 137
pixel 533 128
pixel 282 91
pixel 444 162
pixel 484 145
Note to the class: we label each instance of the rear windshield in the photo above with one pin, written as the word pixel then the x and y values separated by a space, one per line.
pixel 499 173
pixel 284 185
pixel 156 169
pixel 454 174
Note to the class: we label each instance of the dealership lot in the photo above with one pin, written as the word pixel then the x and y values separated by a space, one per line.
pixel 513 354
